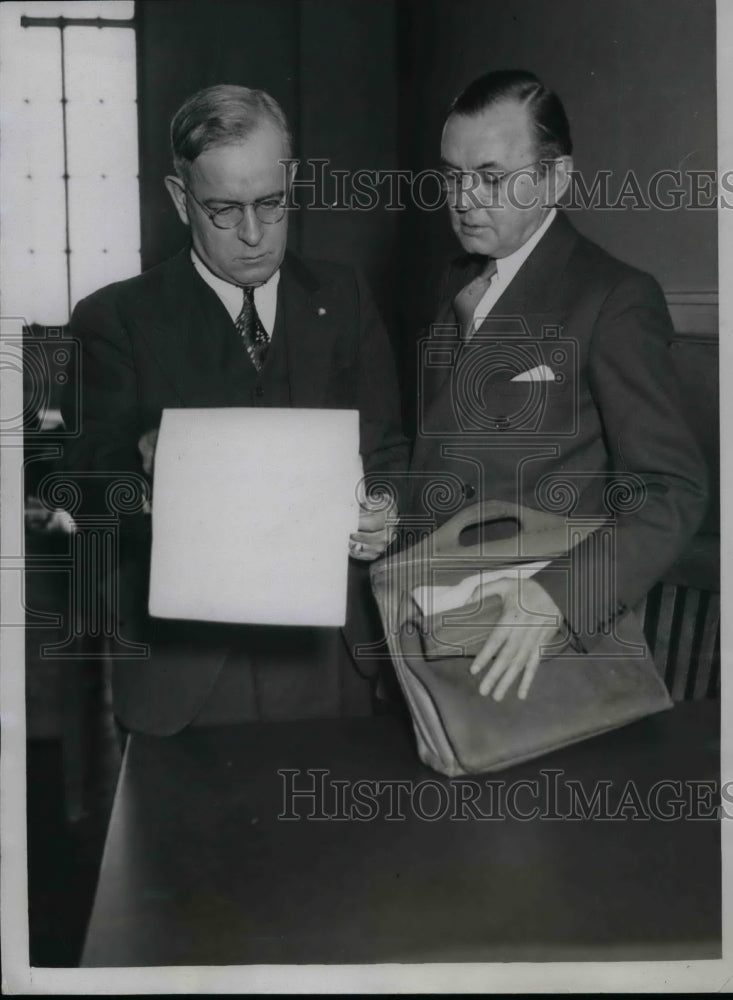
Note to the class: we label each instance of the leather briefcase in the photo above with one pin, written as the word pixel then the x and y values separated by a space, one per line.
pixel 573 695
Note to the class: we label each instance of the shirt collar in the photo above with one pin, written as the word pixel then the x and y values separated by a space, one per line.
pixel 231 295
pixel 507 267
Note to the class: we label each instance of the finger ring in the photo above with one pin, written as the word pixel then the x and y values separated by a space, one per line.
pixel 358 546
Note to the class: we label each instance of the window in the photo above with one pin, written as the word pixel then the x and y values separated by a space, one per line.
pixel 68 177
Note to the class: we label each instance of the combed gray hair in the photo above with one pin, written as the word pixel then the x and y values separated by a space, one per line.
pixel 220 116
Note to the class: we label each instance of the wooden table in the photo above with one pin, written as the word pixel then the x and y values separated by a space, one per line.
pixel 199 870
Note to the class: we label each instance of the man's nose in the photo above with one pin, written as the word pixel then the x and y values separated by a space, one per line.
pixel 466 198
pixel 249 229
pixel 470 212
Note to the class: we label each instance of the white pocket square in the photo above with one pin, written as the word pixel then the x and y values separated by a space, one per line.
pixel 542 373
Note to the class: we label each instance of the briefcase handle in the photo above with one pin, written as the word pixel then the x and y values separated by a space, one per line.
pixel 438 557
pixel 445 540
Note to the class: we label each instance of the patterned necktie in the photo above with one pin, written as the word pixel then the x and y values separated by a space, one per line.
pixel 253 333
pixel 464 304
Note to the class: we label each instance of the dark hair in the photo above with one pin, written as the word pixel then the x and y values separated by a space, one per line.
pixel 220 116
pixel 547 115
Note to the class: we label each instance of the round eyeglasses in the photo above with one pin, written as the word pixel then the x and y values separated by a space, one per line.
pixel 267 210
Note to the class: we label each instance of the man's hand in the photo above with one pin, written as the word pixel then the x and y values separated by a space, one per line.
pixel 529 620
pixel 377 527
pixel 146 447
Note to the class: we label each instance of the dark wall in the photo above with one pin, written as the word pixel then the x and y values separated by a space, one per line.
pixel 348 90
pixel 184 45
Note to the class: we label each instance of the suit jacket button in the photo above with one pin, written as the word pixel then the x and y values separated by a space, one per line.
pixel 469 491
pixel 259 391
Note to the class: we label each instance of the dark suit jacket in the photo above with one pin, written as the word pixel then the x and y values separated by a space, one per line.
pixel 606 438
pixel 163 339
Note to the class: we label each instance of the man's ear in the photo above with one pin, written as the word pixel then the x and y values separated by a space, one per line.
pixel 177 191
pixel 290 167
pixel 561 175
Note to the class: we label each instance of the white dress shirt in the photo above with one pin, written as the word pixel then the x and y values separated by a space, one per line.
pixel 232 296
pixel 506 269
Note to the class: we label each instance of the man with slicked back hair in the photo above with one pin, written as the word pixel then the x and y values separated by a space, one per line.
pixel 559 393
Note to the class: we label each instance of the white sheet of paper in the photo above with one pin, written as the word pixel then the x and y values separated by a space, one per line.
pixel 434 600
pixel 252 512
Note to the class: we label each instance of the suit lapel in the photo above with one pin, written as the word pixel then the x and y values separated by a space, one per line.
pixel 534 291
pixel 193 339
pixel 536 287
pixel 184 329
pixel 305 321
pixel 464 269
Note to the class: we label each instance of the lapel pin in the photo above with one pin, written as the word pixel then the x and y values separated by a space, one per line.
pixel 321 311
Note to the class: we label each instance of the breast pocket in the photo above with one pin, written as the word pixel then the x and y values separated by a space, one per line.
pixel 511 385
pixel 532 406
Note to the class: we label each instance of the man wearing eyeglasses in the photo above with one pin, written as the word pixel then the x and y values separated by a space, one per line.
pixel 234 319
pixel 559 386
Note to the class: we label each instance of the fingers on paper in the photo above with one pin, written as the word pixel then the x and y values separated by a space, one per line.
pixel 365 547
pixel 146 447
pixel 370 541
